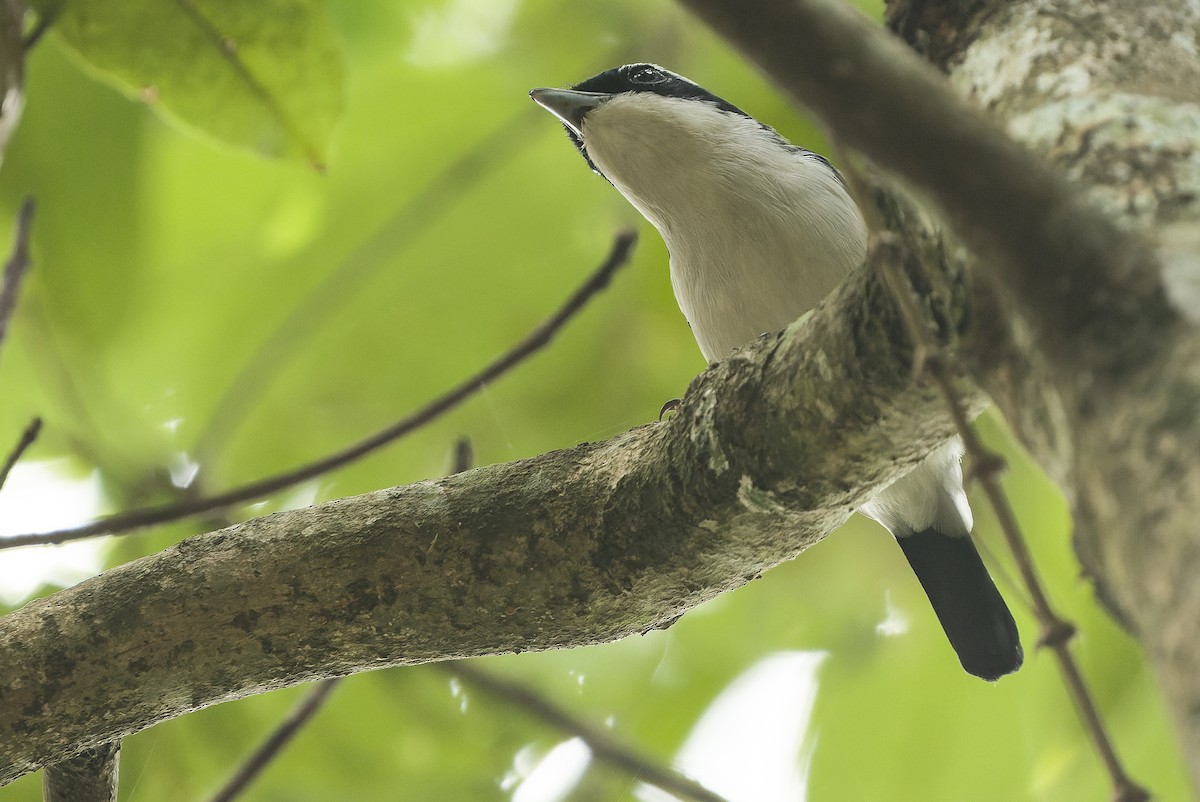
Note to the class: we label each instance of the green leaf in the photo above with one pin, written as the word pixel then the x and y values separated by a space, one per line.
pixel 265 75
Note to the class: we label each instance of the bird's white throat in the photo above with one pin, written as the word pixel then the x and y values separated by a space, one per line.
pixel 758 233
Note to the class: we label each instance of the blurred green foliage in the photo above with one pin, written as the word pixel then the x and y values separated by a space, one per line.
pixel 194 301
pixel 265 75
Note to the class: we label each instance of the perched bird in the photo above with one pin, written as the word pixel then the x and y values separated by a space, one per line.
pixel 759 231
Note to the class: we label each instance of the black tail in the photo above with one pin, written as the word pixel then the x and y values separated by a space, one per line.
pixel 972 612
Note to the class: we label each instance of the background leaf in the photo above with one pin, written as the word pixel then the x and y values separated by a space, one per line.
pixel 265 75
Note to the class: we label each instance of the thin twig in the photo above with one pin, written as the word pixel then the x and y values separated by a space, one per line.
pixel 887 255
pixel 603 745
pixel 27 437
pixel 40 26
pixel 270 748
pixel 17 266
pixel 464 455
pixel 533 342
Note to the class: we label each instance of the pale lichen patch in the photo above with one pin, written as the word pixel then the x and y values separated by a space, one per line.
pixel 1185 42
pixel 1178 246
pixel 1134 152
pixel 706 434
pixel 614 459
pixel 758 500
pixel 820 361
pixel 997 65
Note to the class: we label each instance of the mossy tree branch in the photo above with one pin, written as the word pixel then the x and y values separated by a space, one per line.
pixel 770 451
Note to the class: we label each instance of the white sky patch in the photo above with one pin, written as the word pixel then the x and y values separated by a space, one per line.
pixel 553 777
pixel 300 496
pixel 894 622
pixel 753 744
pixel 41 496
pixel 183 469
pixel 460 32
pixel 524 762
pixel 456 690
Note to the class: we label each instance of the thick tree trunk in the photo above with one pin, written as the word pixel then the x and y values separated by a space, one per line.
pixel 1110 93
pixel 1090 347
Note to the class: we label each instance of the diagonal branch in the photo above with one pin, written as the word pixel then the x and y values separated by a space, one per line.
pixel 28 436
pixel 533 342
pixel 602 743
pixel 769 451
pixel 16 267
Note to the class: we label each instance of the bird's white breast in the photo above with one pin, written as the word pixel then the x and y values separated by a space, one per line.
pixel 758 233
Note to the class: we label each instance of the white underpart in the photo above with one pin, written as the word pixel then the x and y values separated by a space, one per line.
pixel 758 235
pixel 930 496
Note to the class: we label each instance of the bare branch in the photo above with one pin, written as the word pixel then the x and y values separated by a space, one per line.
pixel 888 255
pixel 17 266
pixel 535 341
pixel 27 439
pixel 604 745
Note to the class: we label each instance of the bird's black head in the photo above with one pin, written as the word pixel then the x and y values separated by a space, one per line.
pixel 654 79
pixel 628 79
pixel 572 106
pixel 647 78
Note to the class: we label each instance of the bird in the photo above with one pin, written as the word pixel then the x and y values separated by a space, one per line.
pixel 759 231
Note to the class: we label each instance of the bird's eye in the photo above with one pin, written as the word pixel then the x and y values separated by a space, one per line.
pixel 646 76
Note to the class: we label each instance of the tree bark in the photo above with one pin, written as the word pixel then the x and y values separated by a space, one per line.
pixel 771 450
pixel 1091 348
pixel 90 776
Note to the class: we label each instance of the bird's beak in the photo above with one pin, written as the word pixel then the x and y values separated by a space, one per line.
pixel 569 105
